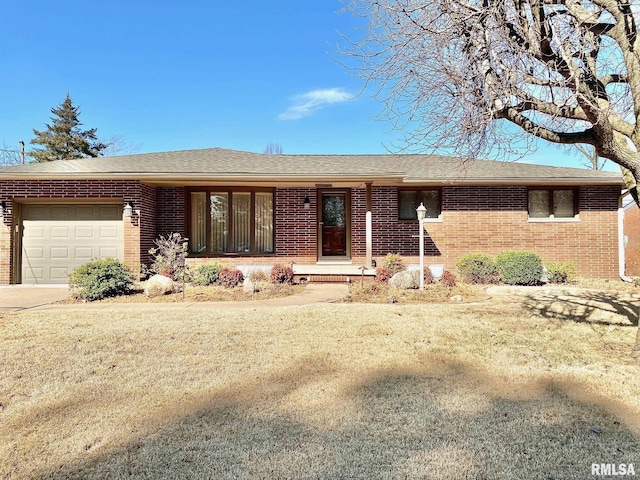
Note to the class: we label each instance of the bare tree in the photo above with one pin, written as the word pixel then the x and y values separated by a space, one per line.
pixel 591 159
pixel 460 74
pixel 273 149
pixel 480 76
pixel 118 145
pixel 10 156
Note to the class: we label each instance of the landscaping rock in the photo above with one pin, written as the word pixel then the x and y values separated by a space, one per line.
pixel 159 285
pixel 407 279
pixel 248 286
pixel 456 298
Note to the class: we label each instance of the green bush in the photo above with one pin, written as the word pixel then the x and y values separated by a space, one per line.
pixel 519 268
pixel 393 262
pixel 560 272
pixel 281 275
pixel 231 277
pixel 477 268
pixel 207 274
pixel 101 279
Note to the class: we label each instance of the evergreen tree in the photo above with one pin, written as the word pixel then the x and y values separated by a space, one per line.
pixel 63 139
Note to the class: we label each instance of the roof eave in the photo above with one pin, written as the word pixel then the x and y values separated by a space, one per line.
pixel 515 181
pixel 200 177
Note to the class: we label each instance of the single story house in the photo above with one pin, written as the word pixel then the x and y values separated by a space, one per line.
pixel 329 215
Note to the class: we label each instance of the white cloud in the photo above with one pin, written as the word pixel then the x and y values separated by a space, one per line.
pixel 308 103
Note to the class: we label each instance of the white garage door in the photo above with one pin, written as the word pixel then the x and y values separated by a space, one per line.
pixel 58 238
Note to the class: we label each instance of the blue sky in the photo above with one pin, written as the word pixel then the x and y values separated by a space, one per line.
pixel 169 75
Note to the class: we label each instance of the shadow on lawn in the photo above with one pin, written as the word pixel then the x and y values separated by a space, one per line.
pixel 585 306
pixel 444 419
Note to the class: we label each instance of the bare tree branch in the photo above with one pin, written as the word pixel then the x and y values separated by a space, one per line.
pixel 452 74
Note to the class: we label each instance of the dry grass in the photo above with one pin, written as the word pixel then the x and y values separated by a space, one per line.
pixel 377 292
pixel 502 389
pixel 211 293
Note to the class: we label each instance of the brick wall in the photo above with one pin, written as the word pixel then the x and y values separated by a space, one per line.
pixel 170 205
pixel 474 219
pixel 494 219
pixel 139 231
pixel 296 229
pixel 632 232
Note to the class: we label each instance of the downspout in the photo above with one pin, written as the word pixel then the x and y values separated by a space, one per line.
pixel 621 245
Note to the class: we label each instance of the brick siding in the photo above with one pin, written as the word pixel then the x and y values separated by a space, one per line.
pixel 474 219
pixel 493 219
pixel 296 229
pixel 171 211
pixel 632 232
pixel 139 231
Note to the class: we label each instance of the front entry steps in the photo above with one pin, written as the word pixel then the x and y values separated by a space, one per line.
pixel 331 272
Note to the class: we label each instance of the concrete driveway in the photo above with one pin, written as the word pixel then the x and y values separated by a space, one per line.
pixel 21 297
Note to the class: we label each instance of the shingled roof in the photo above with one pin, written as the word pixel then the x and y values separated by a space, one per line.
pixel 217 164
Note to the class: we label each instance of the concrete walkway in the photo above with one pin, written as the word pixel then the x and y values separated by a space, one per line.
pixel 21 297
pixel 313 293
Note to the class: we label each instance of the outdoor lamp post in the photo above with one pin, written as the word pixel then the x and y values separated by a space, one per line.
pixel 128 210
pixel 422 213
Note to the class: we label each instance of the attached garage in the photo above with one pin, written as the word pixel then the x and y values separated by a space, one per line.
pixel 56 238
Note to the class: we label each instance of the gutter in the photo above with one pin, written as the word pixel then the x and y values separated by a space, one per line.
pixel 520 181
pixel 621 245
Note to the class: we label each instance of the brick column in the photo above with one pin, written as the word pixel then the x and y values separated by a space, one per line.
pixel 132 242
pixel 5 251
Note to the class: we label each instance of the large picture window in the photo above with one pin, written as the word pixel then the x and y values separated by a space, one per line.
pixel 230 221
pixel 552 203
pixel 409 200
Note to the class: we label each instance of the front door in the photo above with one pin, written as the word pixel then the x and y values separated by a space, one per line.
pixel 334 223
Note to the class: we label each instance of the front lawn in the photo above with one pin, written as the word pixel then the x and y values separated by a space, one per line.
pixel 500 389
pixel 197 293
pixel 377 292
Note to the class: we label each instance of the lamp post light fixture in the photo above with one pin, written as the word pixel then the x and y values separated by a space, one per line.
pixel 422 213
pixel 128 210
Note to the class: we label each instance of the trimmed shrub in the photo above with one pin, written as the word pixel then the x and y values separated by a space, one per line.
pixel 101 279
pixel 560 272
pixel 519 268
pixel 207 274
pixel 383 274
pixel 448 279
pixel 281 275
pixel 478 268
pixel 393 262
pixel 230 277
pixel 170 256
pixel 428 276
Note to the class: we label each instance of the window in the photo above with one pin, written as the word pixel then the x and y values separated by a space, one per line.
pixel 409 200
pixel 552 203
pixel 227 221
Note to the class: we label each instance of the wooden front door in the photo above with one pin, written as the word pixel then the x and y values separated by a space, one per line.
pixel 334 224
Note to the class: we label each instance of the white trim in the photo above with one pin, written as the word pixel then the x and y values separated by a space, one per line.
pixel 622 257
pixel 575 219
